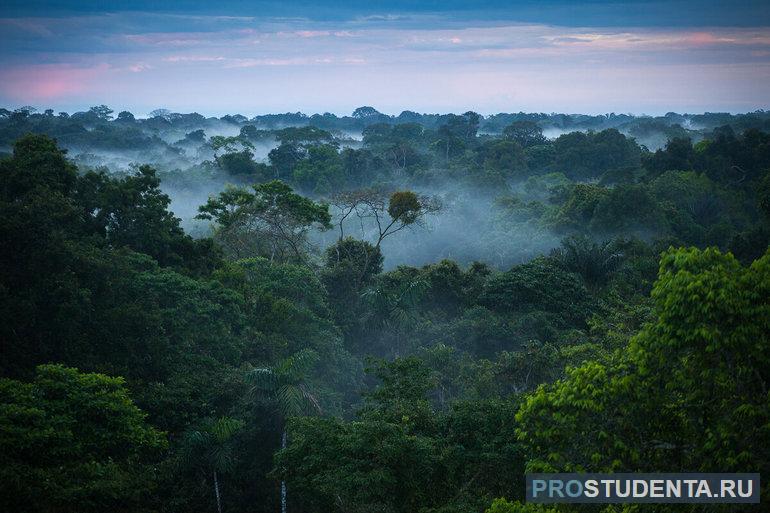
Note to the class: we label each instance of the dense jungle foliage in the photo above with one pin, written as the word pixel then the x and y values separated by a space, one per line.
pixel 603 306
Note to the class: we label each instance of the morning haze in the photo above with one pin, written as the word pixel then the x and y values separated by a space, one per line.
pixel 380 257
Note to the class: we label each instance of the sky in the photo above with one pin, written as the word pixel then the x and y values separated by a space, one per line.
pixel 257 57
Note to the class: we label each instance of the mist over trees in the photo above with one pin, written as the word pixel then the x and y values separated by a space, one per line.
pixel 475 166
pixel 373 312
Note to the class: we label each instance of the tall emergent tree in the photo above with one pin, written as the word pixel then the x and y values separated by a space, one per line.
pixel 210 449
pixel 286 383
pixel 526 133
pixel 273 221
pixel 389 212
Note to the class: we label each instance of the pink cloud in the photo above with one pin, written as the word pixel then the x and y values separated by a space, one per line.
pixel 312 33
pixel 193 58
pixel 661 39
pixel 139 67
pixel 705 38
pixel 39 82
pixel 168 38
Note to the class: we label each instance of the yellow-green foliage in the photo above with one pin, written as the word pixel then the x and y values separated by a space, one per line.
pixel 688 394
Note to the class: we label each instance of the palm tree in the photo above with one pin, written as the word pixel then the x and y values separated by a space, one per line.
pixel 594 262
pixel 211 449
pixel 286 384
pixel 395 308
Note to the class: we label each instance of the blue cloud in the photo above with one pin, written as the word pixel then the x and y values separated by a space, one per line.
pixel 608 13
pixel 397 55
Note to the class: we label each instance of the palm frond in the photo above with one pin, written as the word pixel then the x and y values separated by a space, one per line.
pixel 291 401
pixel 311 399
pixel 262 378
pixel 224 428
pixel 285 383
pixel 299 365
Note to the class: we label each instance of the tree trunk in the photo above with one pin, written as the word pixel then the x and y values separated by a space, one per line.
pixel 216 490
pixel 283 483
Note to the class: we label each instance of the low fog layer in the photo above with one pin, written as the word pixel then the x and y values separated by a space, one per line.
pixel 470 227
pixel 197 157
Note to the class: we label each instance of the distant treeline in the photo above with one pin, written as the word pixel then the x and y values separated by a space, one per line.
pixel 70 128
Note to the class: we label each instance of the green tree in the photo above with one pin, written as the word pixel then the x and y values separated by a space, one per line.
pixel 402 395
pixel 350 266
pixel 502 156
pixel 74 442
pixel 595 262
pixel 582 156
pixel 365 112
pixel 628 209
pixel 321 172
pixel 83 298
pixel 526 133
pixel 303 136
pixel 101 112
pixel 371 466
pixel 286 383
pixel 211 449
pixel 689 393
pixel 381 463
pixel 694 195
pixel 133 211
pixel 677 155
pixel 579 205
pixel 389 213
pixel 229 144
pixel 238 154
pixel 538 285
pixel 273 221
pixel 392 306
pixel 397 144
pixel 401 455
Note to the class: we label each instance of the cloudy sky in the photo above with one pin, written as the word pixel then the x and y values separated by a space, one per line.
pixel 255 57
